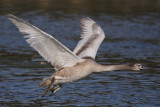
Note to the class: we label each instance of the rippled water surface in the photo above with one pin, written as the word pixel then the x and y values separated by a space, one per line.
pixel 132 31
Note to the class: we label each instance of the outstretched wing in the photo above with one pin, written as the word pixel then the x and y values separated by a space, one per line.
pixel 91 37
pixel 47 46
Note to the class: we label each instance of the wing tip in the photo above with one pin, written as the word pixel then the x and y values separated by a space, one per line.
pixel 15 19
pixel 85 19
pixel 11 16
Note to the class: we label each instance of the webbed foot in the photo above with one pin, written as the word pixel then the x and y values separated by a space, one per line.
pixel 55 89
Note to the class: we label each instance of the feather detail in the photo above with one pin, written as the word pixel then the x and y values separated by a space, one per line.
pixel 46 45
pixel 91 37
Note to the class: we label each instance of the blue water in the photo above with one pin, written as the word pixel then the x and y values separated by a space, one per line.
pixel 132 32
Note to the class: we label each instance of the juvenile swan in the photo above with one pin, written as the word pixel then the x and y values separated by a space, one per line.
pixel 70 66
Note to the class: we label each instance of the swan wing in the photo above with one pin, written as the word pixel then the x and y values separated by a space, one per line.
pixel 91 37
pixel 46 45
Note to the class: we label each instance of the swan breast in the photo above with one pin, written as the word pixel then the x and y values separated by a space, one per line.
pixel 76 72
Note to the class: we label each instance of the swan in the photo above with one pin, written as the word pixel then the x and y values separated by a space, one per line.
pixel 69 66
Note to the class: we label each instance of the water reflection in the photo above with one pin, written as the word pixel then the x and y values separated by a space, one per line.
pixel 132 36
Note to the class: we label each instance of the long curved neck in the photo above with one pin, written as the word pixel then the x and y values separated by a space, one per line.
pixel 101 68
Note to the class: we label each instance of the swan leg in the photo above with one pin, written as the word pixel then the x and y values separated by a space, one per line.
pixel 50 87
pixel 56 88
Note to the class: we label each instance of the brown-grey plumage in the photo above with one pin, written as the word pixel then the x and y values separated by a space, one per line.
pixel 70 66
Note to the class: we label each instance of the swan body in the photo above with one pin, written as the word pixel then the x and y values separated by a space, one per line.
pixel 70 66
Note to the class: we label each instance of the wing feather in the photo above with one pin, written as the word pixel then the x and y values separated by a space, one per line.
pixel 91 37
pixel 46 45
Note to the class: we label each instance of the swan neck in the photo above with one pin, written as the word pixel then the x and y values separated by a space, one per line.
pixel 101 68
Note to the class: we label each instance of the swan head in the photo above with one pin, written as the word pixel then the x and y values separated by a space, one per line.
pixel 137 67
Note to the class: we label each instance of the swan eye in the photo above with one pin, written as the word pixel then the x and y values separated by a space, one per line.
pixel 140 66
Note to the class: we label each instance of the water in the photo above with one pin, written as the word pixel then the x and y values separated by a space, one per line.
pixel 132 31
